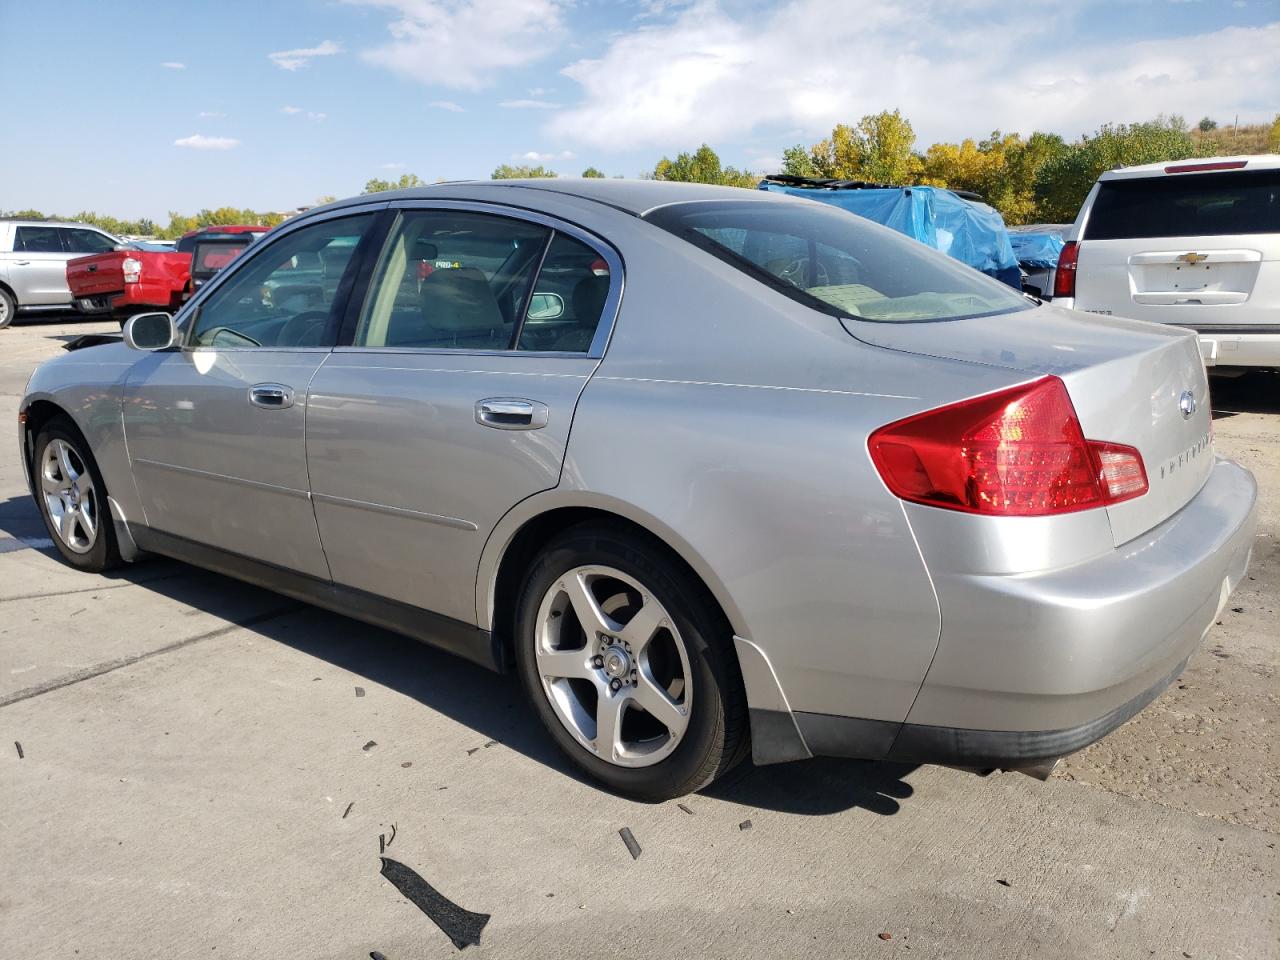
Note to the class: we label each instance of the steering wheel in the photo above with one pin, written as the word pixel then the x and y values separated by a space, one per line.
pixel 303 330
pixel 795 271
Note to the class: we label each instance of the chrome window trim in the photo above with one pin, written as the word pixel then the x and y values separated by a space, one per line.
pixel 190 308
pixel 607 252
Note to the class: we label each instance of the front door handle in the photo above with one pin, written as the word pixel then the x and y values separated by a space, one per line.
pixel 512 413
pixel 22 263
pixel 271 396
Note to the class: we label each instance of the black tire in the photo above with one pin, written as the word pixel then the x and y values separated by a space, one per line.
pixel 105 551
pixel 717 736
pixel 8 308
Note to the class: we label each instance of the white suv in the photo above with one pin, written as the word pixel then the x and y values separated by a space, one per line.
pixel 1194 243
pixel 33 262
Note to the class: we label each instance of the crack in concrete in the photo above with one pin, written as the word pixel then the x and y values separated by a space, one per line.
pixel 88 673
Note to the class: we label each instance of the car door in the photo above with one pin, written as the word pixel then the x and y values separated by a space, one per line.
pixel 215 427
pixel 453 396
pixel 38 267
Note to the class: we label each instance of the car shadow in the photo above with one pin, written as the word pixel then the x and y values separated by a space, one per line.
pixel 1253 392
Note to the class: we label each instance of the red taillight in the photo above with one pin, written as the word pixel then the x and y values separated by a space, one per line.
pixel 1212 165
pixel 599 267
pixel 1016 453
pixel 1064 278
pixel 425 269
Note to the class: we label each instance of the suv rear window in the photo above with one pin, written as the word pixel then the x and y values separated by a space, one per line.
pixel 837 262
pixel 1186 205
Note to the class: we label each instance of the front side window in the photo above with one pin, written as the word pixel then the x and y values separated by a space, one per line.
pixel 284 295
pixel 837 262
pixel 87 241
pixel 37 240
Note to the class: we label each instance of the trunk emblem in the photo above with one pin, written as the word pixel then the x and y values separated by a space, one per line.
pixel 1187 404
pixel 1193 258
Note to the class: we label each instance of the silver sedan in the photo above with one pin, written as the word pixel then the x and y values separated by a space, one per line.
pixel 718 473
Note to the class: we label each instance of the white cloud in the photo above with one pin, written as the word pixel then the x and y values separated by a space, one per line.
pixel 316 115
pixel 211 113
pixel 703 74
pixel 464 43
pixel 533 156
pixel 530 105
pixel 311 114
pixel 446 105
pixel 290 110
pixel 173 65
pixel 393 166
pixel 297 59
pixel 198 141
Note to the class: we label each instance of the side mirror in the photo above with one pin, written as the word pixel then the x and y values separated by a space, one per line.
pixel 150 331
pixel 546 306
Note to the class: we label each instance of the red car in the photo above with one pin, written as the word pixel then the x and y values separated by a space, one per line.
pixel 127 282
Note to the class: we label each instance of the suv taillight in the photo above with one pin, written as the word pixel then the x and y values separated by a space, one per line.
pixel 1016 453
pixel 132 270
pixel 1064 278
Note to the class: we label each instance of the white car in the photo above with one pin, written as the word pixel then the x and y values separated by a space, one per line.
pixel 1193 243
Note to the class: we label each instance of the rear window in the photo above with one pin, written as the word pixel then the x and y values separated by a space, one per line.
pixel 837 262
pixel 212 257
pixel 1186 205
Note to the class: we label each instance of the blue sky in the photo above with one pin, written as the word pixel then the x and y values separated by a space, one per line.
pixel 158 105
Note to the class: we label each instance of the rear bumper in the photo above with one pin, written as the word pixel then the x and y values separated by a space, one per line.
pixel 1240 348
pixel 1036 666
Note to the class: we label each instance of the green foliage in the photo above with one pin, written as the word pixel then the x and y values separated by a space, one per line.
pixel 702 166
pixel 1206 124
pixel 591 173
pixel 521 172
pixel 1063 181
pixel 1273 136
pixel 878 149
pixel 406 181
pixel 1002 169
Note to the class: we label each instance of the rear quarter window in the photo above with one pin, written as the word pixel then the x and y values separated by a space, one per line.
pixel 1186 205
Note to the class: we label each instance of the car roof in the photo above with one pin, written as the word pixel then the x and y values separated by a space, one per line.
pixel 632 196
pixel 1264 161
pixel 28 222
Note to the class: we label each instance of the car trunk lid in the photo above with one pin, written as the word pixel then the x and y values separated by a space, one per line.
pixel 1129 382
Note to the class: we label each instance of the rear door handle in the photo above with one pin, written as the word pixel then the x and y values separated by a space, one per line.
pixel 22 263
pixel 271 396
pixel 512 413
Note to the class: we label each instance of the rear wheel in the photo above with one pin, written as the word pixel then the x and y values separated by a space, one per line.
pixel 73 499
pixel 8 307
pixel 629 665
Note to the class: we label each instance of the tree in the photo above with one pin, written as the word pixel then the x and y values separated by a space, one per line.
pixel 1063 181
pixel 1002 169
pixel 878 149
pixel 591 173
pixel 328 198
pixel 1206 124
pixel 506 171
pixel 406 181
pixel 702 166
pixel 1273 136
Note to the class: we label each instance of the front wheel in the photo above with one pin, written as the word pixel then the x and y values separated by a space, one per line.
pixel 8 307
pixel 73 499
pixel 629 665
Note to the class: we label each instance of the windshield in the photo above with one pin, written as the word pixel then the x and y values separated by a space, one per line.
pixel 838 262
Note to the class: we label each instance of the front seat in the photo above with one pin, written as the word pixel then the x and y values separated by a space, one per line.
pixel 460 310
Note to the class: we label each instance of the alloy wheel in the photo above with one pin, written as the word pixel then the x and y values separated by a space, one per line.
pixel 69 495
pixel 613 666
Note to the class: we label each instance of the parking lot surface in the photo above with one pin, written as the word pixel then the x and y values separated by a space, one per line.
pixel 193 767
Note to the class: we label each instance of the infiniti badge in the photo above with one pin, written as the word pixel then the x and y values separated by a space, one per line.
pixel 1187 404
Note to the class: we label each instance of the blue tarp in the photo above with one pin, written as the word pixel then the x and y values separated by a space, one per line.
pixel 972 232
pixel 1037 250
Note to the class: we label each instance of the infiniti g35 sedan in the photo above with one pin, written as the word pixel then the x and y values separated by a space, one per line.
pixel 718 473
